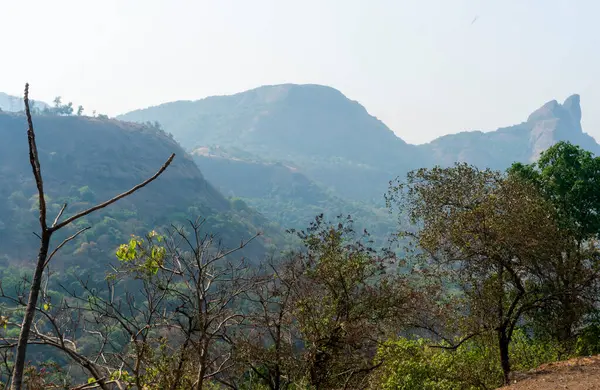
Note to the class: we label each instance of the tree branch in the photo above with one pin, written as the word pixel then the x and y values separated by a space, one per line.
pixel 60 213
pixel 116 198
pixel 34 160
pixel 63 243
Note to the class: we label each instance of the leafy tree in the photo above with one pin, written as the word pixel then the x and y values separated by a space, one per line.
pixel 61 109
pixel 67 109
pixel 488 238
pixel 80 110
pixel 317 317
pixel 342 300
pixel 569 177
pixel 57 102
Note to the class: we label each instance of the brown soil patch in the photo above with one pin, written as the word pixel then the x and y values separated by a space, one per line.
pixel 574 374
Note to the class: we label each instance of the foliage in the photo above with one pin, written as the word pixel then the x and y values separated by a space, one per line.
pixel 341 301
pixel 415 365
pixel 421 364
pixel 61 109
pixel 569 178
pixel 588 339
pixel 490 237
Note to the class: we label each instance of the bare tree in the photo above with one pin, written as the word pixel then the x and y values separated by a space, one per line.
pixel 205 288
pixel 45 236
pixel 269 343
pixel 174 333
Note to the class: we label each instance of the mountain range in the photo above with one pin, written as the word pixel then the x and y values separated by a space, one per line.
pixel 335 143
pixel 262 160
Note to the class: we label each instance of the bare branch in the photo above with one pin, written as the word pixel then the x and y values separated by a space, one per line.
pixel 60 213
pixel 455 346
pixel 116 198
pixel 66 240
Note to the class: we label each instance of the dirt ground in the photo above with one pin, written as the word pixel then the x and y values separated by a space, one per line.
pixel 575 374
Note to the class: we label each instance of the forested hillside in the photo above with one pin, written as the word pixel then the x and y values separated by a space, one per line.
pixel 87 160
pixel 283 193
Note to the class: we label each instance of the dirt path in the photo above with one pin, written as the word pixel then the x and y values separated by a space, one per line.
pixel 575 374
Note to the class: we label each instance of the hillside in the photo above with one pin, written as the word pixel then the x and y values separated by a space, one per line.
pixel 282 192
pixel 338 144
pixel 86 160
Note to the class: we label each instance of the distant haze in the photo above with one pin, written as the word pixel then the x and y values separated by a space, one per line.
pixel 423 67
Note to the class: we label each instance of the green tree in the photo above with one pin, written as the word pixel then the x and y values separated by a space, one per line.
pixel 487 238
pixel 569 178
pixel 57 102
pixel 80 110
pixel 342 299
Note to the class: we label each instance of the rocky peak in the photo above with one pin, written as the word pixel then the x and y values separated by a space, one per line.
pixel 555 122
pixel 573 107
pixel 547 111
pixel 566 116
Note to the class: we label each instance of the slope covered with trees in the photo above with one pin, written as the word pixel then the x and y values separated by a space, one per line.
pixel 502 277
pixel 86 160
pixel 282 192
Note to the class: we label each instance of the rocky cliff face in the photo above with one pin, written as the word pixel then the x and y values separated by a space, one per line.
pixel 555 122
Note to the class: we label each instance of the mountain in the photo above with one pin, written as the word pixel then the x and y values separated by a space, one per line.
pixel 85 160
pixel 335 142
pixel 551 123
pixel 15 104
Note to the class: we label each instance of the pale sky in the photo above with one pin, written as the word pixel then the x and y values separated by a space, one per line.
pixel 421 66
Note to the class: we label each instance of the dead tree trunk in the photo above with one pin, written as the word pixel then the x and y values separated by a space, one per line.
pixel 45 236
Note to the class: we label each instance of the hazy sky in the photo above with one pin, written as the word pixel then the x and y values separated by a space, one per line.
pixel 421 66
